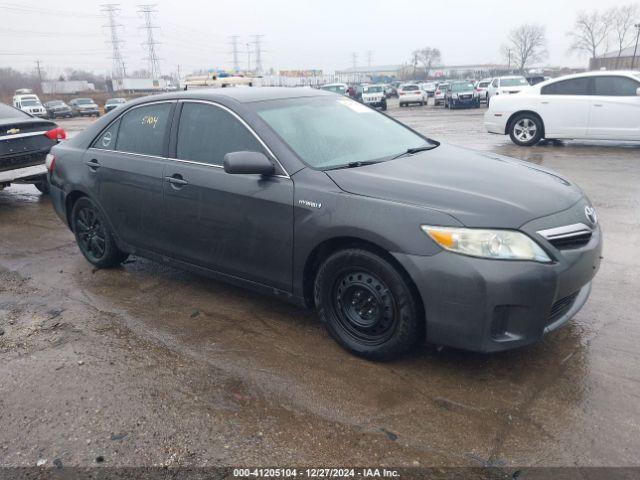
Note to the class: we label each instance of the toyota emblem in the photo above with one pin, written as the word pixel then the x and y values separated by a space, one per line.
pixel 591 215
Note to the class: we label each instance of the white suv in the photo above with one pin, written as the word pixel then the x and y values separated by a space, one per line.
pixel 411 93
pixel 31 104
pixel 506 86
pixel 594 105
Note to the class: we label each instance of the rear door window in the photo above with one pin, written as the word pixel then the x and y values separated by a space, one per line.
pixel 143 130
pixel 207 133
pixel 612 86
pixel 574 86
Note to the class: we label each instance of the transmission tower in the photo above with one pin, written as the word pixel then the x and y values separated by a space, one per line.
pixel 354 59
pixel 257 41
pixel 112 10
pixel 152 58
pixel 235 52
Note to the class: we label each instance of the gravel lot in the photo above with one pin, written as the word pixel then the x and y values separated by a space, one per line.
pixel 147 365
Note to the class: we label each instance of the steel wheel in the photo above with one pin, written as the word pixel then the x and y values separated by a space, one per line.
pixel 91 233
pixel 364 307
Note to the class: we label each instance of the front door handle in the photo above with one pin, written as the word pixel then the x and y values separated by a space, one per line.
pixel 176 180
pixel 93 164
pixel 597 105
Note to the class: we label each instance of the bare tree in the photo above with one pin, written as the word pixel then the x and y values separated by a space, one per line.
pixel 525 45
pixel 623 19
pixel 590 32
pixel 427 57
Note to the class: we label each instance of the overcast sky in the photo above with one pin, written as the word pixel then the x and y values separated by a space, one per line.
pixel 298 34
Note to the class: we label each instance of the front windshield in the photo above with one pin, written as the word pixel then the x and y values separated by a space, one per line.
pixel 333 132
pixel 461 87
pixel 30 103
pixel 55 103
pixel 373 89
pixel 84 101
pixel 115 100
pixel 513 82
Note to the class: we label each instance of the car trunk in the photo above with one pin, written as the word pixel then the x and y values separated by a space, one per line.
pixel 23 143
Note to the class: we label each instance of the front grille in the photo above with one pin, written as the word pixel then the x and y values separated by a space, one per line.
pixel 465 97
pixel 576 241
pixel 559 308
pixel 569 236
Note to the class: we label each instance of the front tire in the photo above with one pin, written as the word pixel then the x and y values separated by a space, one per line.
pixel 366 305
pixel 525 130
pixel 94 236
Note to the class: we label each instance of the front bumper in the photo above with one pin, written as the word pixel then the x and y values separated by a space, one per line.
pixel 491 305
pixel 88 112
pixel 377 104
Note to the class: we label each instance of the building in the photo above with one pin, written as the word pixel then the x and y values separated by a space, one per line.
pixel 617 60
pixel 67 87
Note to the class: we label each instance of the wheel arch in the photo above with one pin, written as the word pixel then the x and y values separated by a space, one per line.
pixel 519 112
pixel 323 250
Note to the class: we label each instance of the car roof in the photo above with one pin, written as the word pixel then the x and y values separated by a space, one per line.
pixel 240 94
pixel 597 73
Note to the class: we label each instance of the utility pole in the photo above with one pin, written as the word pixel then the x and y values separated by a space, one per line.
pixel 39 69
pixel 354 59
pixel 178 79
pixel 235 52
pixel 509 53
pixel 257 41
pixel 635 50
pixel 148 10
pixel 117 68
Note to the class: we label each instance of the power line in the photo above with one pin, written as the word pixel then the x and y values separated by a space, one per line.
pixel 118 68
pixel 148 10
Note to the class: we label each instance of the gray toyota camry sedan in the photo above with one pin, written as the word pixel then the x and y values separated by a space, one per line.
pixel 393 238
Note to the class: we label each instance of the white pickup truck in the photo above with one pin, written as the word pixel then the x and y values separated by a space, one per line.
pixel 25 142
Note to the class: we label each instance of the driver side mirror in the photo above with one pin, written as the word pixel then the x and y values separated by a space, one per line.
pixel 248 163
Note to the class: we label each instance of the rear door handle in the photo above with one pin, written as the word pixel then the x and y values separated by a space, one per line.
pixel 93 164
pixel 176 180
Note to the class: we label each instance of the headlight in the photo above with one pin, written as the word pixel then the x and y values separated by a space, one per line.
pixel 496 244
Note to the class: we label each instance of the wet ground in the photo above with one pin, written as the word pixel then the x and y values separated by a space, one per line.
pixel 147 365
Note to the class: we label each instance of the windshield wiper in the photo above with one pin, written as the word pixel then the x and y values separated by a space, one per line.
pixel 354 164
pixel 411 151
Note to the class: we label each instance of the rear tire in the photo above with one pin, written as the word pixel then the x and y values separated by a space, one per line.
pixel 42 185
pixel 526 129
pixel 366 305
pixel 94 236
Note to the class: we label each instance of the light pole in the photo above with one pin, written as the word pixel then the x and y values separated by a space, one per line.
pixel 635 50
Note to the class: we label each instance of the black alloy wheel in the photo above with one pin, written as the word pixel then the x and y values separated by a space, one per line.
pixel 94 236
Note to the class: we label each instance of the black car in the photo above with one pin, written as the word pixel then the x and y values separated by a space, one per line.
pixel 460 95
pixel 58 109
pixel 392 237
pixel 25 142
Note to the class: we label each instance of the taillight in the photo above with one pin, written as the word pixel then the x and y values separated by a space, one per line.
pixel 57 133
pixel 437 92
pixel 50 162
pixel 400 93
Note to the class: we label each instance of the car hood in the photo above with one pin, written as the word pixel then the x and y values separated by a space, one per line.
pixel 478 189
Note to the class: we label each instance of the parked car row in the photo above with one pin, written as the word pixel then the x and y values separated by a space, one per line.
pixel 78 107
